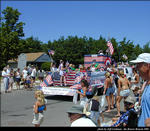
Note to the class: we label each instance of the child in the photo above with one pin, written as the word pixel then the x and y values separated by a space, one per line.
pixel 84 90
pixel 38 108
pixel 28 82
pixel 95 109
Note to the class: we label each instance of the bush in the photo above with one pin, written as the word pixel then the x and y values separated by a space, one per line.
pixel 46 66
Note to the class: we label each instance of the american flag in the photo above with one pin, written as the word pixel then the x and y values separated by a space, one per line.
pixel 110 46
pixel 51 52
pixel 47 81
pixel 125 57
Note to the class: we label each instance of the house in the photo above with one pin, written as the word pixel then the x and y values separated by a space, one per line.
pixel 31 58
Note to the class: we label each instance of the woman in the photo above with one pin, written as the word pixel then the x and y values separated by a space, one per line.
pixel 83 97
pixel 135 83
pixel 123 90
pixel 11 80
pixel 18 78
pixel 108 91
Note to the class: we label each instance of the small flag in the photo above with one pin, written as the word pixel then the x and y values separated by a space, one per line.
pixel 125 57
pixel 110 46
pixel 51 52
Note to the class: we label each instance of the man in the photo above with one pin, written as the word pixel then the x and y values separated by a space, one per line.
pixel 143 66
pixel 129 118
pixel 78 118
pixel 33 75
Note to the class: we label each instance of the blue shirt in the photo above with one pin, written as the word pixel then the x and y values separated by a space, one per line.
pixel 145 106
pixel 123 118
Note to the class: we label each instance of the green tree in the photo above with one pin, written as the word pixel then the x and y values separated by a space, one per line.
pixel 146 48
pixel 11 31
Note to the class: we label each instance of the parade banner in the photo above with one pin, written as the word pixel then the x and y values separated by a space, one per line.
pixel 100 59
pixel 58 91
pixel 97 78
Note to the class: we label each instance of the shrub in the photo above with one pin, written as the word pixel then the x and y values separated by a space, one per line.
pixel 46 66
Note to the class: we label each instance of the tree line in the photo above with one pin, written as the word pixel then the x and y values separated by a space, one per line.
pixel 72 48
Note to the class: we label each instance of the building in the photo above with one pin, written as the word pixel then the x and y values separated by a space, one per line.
pixel 30 58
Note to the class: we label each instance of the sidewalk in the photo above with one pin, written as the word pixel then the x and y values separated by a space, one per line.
pixel 2 89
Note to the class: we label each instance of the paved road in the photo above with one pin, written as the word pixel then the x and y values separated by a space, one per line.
pixel 16 109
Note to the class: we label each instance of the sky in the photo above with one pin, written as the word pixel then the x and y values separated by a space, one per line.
pixel 49 20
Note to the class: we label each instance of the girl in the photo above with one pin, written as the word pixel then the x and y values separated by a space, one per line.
pixel 38 108
pixel 61 73
pixel 83 97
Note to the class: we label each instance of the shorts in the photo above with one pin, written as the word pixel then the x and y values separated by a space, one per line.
pixel 95 115
pixel 18 79
pixel 28 82
pixel 125 93
pixel 83 101
pixel 61 73
pixel 38 118
pixel 109 91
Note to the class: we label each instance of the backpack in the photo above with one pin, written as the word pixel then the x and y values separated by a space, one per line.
pixel 95 105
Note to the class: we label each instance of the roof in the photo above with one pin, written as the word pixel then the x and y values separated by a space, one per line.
pixel 30 57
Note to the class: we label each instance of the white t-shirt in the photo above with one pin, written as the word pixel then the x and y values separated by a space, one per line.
pixel 92 69
pixel 83 122
pixel 33 74
pixel 4 74
pixel 25 73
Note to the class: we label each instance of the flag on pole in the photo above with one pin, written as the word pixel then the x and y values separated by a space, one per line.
pixel 125 57
pixel 110 46
pixel 51 52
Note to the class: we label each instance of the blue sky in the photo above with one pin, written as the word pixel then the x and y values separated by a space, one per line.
pixel 49 20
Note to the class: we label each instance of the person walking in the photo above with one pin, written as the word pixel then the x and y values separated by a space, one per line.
pixel 143 66
pixel 38 108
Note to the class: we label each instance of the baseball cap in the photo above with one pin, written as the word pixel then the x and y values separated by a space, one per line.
pixel 144 57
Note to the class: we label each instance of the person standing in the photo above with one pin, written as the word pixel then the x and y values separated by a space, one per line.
pixel 108 91
pixel 83 97
pixel 18 78
pixel 135 83
pixel 123 90
pixel 33 76
pixel 143 66
pixel 24 75
pixel 78 117
pixel 11 80
pixel 5 79
pixel 61 73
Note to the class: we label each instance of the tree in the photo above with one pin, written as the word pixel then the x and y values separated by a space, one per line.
pixel 32 45
pixel 146 48
pixel 11 31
